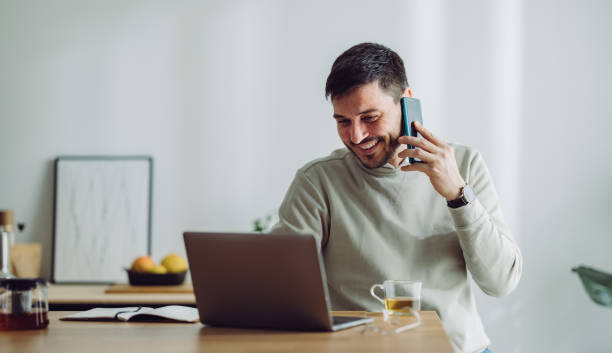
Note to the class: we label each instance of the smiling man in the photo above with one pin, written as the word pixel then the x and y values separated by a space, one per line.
pixel 376 217
pixel 371 134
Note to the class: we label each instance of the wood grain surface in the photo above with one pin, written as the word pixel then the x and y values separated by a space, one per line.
pixel 94 295
pixel 71 336
pixel 127 288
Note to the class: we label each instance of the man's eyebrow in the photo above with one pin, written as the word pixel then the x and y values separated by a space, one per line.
pixel 338 116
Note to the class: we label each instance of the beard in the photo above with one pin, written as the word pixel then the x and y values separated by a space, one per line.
pixel 376 160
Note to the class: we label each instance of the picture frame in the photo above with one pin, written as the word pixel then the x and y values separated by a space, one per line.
pixel 101 217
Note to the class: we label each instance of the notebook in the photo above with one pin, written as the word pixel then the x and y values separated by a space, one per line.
pixel 177 313
pixel 261 281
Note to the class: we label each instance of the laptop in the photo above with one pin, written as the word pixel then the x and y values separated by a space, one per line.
pixel 261 281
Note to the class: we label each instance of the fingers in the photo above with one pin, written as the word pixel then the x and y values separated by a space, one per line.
pixel 429 135
pixel 418 142
pixel 416 167
pixel 423 155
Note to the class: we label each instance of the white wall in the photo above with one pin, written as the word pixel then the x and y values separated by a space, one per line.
pixel 227 96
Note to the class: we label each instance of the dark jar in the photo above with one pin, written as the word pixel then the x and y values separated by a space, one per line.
pixel 23 304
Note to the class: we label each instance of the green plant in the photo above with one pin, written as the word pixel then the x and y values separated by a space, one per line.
pixel 265 223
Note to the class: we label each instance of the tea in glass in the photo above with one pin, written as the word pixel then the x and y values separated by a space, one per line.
pixel 403 305
pixel 400 297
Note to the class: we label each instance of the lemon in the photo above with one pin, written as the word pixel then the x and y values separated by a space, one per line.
pixel 159 269
pixel 174 263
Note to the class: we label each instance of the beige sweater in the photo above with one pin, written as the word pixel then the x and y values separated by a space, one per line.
pixel 378 224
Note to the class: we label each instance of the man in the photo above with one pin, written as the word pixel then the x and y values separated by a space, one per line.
pixel 376 217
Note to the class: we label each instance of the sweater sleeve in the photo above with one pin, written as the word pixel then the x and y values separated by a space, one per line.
pixel 304 210
pixel 491 254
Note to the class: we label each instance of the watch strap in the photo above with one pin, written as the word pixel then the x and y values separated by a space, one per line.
pixel 467 196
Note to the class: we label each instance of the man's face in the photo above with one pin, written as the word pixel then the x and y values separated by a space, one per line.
pixel 368 122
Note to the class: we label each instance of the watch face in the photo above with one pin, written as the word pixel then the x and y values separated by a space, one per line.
pixel 468 194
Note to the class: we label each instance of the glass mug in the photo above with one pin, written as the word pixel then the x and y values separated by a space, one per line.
pixel 401 298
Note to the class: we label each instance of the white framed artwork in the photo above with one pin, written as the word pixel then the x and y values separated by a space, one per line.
pixel 102 217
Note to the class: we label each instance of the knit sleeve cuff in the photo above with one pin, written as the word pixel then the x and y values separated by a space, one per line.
pixel 467 215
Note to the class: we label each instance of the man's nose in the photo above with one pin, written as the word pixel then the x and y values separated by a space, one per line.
pixel 358 133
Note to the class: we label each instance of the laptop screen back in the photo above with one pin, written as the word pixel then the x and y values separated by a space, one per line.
pixel 259 281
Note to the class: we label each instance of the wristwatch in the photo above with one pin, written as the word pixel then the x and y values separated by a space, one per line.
pixel 467 195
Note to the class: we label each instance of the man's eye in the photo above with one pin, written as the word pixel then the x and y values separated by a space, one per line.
pixel 343 122
pixel 369 118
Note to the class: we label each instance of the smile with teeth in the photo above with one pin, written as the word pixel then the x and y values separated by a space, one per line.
pixel 369 145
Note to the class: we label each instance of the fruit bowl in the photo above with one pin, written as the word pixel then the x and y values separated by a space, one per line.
pixel 154 279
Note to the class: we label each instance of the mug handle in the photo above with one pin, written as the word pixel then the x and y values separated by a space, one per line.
pixel 374 294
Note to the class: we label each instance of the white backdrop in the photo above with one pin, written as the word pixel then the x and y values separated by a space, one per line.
pixel 227 96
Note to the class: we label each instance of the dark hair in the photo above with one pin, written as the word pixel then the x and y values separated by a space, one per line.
pixel 365 63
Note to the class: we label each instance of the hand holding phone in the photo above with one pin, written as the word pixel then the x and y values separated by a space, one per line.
pixel 440 166
pixel 411 112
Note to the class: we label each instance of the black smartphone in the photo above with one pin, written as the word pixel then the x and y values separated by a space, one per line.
pixel 411 112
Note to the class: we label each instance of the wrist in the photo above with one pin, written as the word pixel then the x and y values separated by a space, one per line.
pixel 457 193
pixel 466 196
pixel 454 195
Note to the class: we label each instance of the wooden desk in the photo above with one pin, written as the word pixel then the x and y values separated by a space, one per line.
pixel 81 297
pixel 71 336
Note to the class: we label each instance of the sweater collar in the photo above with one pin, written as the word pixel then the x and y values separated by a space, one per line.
pixel 385 170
